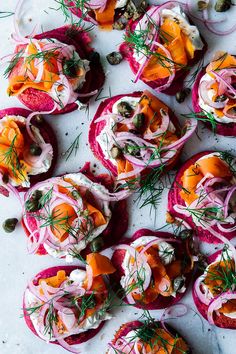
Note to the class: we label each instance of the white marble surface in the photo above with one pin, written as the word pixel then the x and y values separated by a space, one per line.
pixel 16 267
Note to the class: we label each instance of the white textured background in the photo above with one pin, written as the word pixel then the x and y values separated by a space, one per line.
pixel 16 267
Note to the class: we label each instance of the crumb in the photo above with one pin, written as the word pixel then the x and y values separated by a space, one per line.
pixel 66 133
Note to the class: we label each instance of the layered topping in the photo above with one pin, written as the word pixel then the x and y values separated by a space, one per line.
pixel 104 12
pixel 49 66
pixel 64 215
pixel 154 267
pixel 163 42
pixel 147 338
pixel 68 303
pixel 139 133
pixel 216 287
pixel 208 190
pixel 217 89
pixel 22 153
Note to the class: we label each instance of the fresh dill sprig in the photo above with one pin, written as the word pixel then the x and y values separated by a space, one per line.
pixel 79 5
pixel 192 77
pixel 11 159
pixel 149 333
pixel 223 274
pixel 45 199
pixel 73 147
pixel 206 214
pixel 88 302
pixel 141 40
pixel 13 62
pixel 50 320
pixel 203 116
pixel 74 253
pixel 227 157
pixel 4 14
pixel 44 55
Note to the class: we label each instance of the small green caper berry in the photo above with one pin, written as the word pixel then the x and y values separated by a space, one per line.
pixel 35 150
pixel 222 5
pixel 36 195
pixel 131 149
pixel 5 178
pixel 202 5
pixel 221 98
pixel 184 234
pixel 115 152
pixel 178 283
pixel 70 67
pixel 75 194
pixel 181 95
pixel 9 225
pixel 124 109
pixel 114 58
pixel 97 244
pixel 32 205
pixel 139 120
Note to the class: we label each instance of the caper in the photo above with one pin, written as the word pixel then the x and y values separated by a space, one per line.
pixel 36 195
pixel 124 109
pixel 178 283
pixel 5 178
pixel 222 5
pixel 97 244
pixel 35 150
pixel 202 5
pixel 114 58
pixel 32 205
pixel 131 149
pixel 9 225
pixel 115 152
pixel 139 120
pixel 70 67
pixel 221 98
pixel 181 95
pixel 75 194
pixel 184 234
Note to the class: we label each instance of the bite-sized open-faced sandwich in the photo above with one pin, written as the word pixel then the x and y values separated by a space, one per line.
pixel 54 71
pixel 132 134
pixel 147 337
pixel 214 94
pixel 28 149
pixel 204 195
pixel 107 14
pixel 63 215
pixel 162 46
pixel 67 305
pixel 153 269
pixel 214 290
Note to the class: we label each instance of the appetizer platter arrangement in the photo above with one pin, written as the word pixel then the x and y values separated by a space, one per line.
pixel 118 177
